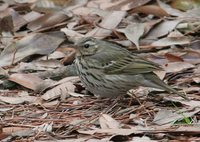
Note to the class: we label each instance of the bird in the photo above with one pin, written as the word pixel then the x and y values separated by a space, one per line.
pixel 107 69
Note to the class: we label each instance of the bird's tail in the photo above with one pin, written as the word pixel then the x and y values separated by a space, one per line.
pixel 158 83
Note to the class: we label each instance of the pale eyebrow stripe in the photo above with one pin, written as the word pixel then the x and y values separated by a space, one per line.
pixel 90 42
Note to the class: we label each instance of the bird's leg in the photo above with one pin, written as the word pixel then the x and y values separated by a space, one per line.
pixel 112 105
pixel 133 96
pixel 136 98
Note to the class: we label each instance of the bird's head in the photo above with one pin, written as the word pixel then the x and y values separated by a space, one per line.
pixel 88 46
pixel 98 49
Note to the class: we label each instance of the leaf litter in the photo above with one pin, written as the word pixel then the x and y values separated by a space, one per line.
pixel 42 99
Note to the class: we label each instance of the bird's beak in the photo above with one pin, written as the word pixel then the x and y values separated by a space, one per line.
pixel 77 47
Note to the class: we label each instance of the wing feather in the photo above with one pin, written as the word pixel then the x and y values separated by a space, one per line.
pixel 130 64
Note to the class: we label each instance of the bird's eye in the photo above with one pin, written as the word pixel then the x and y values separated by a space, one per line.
pixel 86 45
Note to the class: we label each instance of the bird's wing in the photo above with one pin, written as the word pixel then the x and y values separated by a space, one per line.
pixel 130 64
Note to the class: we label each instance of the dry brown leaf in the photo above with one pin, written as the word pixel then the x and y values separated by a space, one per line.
pixel 46 127
pixel 50 5
pixel 18 131
pixel 55 55
pixel 46 21
pixel 173 58
pixel 3 73
pixel 10 130
pixel 29 81
pixel 163 28
pixel 24 133
pixel 192 104
pixel 18 20
pixel 47 64
pixel 117 5
pixel 191 89
pixel 193 128
pixel 109 131
pixel 25 1
pixel 31 16
pixel 166 116
pixel 85 11
pixel 41 65
pixel 62 5
pixel 6 39
pixel 177 66
pixel 133 32
pixel 51 104
pixel 196 79
pixel 62 89
pixel 24 97
pixel 58 91
pixel 85 139
pixel 107 122
pixel 75 4
pixel 167 41
pixel 6 17
pixel 160 74
pixel 169 9
pixel 109 23
pixel 142 139
pixel 37 43
pixel 191 56
pixel 73 35
pixel 126 43
pixel 150 25
pixel 135 130
pixel 151 9
pixel 193 13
